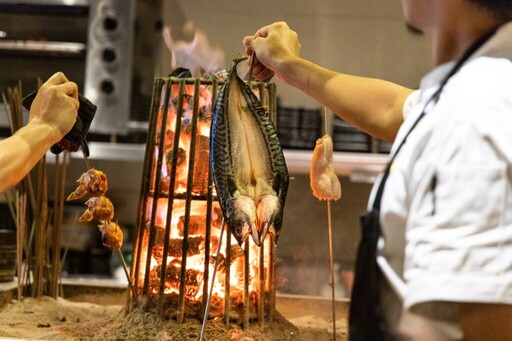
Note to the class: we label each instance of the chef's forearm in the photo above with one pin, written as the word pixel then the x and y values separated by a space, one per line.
pixel 20 152
pixel 374 106
pixel 486 321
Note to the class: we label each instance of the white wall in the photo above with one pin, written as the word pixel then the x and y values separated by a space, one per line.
pixel 363 37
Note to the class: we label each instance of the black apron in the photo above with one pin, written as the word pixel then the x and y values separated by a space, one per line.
pixel 365 317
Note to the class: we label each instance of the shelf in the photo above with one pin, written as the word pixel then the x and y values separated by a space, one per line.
pixel 42 48
pixel 46 6
pixel 361 167
pixel 105 151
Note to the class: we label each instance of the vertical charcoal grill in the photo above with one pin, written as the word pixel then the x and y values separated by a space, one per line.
pixel 176 100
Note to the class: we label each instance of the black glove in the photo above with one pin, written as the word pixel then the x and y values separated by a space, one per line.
pixel 76 136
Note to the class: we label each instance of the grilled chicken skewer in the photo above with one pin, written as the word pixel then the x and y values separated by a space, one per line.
pixel 326 186
pixel 94 182
pixel 323 180
pixel 91 182
pixel 248 165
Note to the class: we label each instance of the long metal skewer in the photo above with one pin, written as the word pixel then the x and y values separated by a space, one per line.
pixel 207 309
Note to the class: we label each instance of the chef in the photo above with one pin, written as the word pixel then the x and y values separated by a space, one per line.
pixel 435 259
pixel 52 115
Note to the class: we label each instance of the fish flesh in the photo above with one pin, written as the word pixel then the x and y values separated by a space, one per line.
pixel 248 166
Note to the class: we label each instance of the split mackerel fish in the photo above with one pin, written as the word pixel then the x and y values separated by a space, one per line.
pixel 247 162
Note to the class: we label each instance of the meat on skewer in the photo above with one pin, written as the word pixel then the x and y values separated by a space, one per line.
pixel 100 208
pixel 323 180
pixel 91 182
pixel 111 235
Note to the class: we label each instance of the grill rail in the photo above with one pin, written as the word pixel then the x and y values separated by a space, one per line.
pixel 171 101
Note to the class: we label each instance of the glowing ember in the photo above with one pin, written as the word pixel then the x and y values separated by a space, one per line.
pixel 180 222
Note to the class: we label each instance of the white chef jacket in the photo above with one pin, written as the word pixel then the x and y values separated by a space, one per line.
pixel 446 211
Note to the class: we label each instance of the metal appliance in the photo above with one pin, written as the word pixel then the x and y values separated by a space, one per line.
pixel 108 67
pixel 40 37
pixel 91 41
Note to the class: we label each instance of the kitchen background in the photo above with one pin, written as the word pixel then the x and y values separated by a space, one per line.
pixel 119 47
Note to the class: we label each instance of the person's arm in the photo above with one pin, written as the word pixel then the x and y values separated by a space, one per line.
pixel 486 321
pixel 52 115
pixel 374 106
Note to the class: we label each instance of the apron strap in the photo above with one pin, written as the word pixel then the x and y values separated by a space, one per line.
pixel 430 104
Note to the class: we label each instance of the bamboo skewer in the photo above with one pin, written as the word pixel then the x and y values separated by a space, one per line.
pixel 127 273
pixel 30 200
pixel 333 289
pixel 57 226
pixel 331 260
pixel 261 285
pixel 246 311
pixel 20 237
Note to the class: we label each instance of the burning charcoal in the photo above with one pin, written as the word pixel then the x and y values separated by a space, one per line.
pixel 221 263
pixel 192 277
pixel 154 277
pixel 217 217
pixel 165 184
pixel 176 246
pixel 236 252
pixel 173 273
pixel 196 225
pixel 169 139
pixel 239 270
pixel 162 287
pixel 187 118
pixel 195 245
pixel 158 252
pixel 202 158
pixel 217 308
pixel 214 244
pixel 180 160
pixel 159 234
pixel 205 113
pixel 180 168
pixel 192 290
pixel 187 97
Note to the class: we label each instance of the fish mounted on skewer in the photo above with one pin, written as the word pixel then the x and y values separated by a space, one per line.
pixel 247 162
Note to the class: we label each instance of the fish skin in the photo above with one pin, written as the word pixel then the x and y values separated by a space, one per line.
pixel 247 162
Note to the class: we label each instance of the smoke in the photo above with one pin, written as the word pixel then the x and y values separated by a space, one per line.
pixel 197 55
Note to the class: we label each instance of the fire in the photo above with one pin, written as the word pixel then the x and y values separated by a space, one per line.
pixel 196 258
pixel 181 224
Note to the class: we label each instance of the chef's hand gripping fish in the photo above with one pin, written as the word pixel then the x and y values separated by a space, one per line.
pixel 247 162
